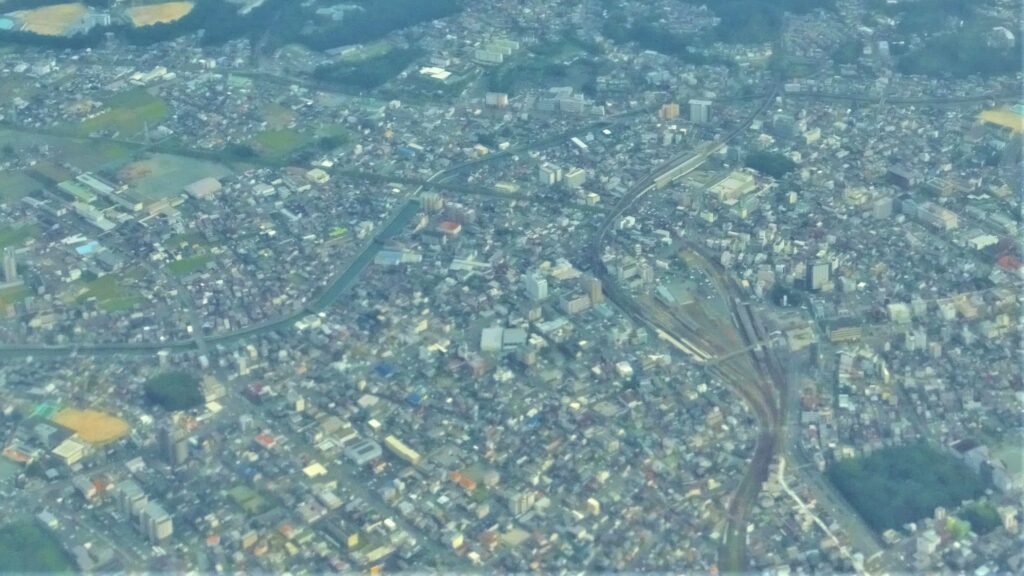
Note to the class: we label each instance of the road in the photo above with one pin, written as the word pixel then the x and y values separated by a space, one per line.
pixel 1008 96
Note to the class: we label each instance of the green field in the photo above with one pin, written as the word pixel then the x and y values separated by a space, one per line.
pixel 159 176
pixel 128 114
pixel 247 499
pixel 16 235
pixel 110 295
pixel 189 265
pixel 279 144
pixel 86 154
pixel 277 116
pixel 27 548
pixel 13 295
pixel 16 185
pixel 366 51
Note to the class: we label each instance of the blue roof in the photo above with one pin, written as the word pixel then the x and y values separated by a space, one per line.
pixel 87 248
pixel 384 369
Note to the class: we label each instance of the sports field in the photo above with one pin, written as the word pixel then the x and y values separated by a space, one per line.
pixel 93 426
pixel 51 20
pixel 158 13
pixel 1003 117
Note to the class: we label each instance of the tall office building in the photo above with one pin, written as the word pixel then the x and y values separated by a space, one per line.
pixel 700 111
pixel 592 285
pixel 575 177
pixel 10 265
pixel 818 276
pixel 536 286
pixel 549 174
pixel 155 522
pixel 669 111
pixel 173 441
pixel 130 498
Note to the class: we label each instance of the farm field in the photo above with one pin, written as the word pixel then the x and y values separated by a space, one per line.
pixel 161 13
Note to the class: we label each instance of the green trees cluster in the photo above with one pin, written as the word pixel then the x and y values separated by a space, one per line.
pixel 901 484
pixel 174 391
pixel 960 54
pixel 770 163
pixel 370 73
pixel 277 21
pixel 756 21
pixel 982 516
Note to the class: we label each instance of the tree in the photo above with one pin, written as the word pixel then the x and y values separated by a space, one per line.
pixel 174 391
pixel 770 164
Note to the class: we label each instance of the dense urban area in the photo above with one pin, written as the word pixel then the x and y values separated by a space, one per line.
pixel 562 286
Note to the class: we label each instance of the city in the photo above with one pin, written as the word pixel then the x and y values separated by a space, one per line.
pixel 577 286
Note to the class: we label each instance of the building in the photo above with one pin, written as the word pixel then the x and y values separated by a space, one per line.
pixel 173 440
pixel 669 111
pixel 496 99
pixel 130 498
pixel 700 111
pixel 155 522
pixel 575 178
pixel 10 266
pixel 403 451
pixel 203 189
pixel 936 216
pixel 594 289
pixel 363 451
pixel 574 303
pixel 536 287
pixel 549 174
pixel 819 276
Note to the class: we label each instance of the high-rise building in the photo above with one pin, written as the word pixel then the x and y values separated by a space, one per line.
pixel 818 276
pixel 669 111
pixel 592 285
pixel 173 441
pixel 700 111
pixel 10 265
pixel 155 522
pixel 575 177
pixel 536 286
pixel 130 498
pixel 549 174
